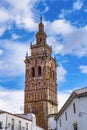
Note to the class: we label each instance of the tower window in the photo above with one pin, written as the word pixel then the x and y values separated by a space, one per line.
pixel 33 72
pixel 40 40
pixel 39 70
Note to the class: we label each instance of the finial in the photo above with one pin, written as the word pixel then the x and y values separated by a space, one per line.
pixel 26 54
pixel 41 19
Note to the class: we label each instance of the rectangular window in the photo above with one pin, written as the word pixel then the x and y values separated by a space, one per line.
pixel 0 124
pixel 60 123
pixel 12 124
pixel 75 126
pixel 66 116
pixel 22 128
pixel 74 108
pixel 19 127
pixel 26 126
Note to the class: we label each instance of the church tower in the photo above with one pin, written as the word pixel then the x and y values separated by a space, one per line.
pixel 40 80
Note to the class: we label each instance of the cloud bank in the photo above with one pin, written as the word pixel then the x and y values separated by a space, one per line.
pixel 11 100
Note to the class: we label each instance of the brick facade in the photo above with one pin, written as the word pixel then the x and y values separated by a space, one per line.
pixel 40 80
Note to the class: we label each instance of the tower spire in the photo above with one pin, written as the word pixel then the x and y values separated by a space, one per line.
pixel 41 35
pixel 41 25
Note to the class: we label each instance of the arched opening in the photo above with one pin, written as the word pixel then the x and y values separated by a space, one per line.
pixel 33 72
pixel 40 40
pixel 39 70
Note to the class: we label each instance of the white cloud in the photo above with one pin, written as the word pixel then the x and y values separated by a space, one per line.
pixel 28 23
pixel 83 69
pixel 1 51
pixel 2 30
pixel 4 15
pixel 57 47
pixel 15 36
pixel 11 100
pixel 62 98
pixel 59 27
pixel 75 43
pixel 61 73
pixel 64 13
pixel 46 9
pixel 66 38
pixel 78 5
pixel 12 62
pixel 23 15
pixel 85 9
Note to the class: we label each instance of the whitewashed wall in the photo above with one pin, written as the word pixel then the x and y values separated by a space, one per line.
pixel 7 118
pixel 83 113
pixel 81 119
pixel 52 123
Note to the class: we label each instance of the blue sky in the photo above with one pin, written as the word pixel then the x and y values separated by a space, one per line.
pixel 66 27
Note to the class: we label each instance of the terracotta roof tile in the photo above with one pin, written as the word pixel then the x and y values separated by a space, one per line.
pixel 81 91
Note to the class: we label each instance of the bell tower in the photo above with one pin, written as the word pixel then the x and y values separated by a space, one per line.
pixel 40 80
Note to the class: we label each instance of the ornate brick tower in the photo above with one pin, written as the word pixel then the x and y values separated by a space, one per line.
pixel 40 80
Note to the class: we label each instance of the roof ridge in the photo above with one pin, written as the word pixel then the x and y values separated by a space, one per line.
pixel 80 88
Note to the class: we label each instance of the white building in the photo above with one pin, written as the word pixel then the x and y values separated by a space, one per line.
pixel 51 122
pixel 73 115
pixel 9 121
